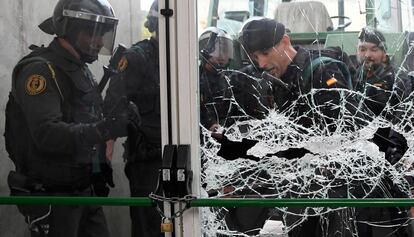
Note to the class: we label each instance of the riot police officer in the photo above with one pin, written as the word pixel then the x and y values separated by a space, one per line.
pixel 139 80
pixel 55 127
pixel 216 53
pixel 226 95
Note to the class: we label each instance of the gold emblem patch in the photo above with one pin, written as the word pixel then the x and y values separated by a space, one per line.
pixel 122 64
pixel 35 84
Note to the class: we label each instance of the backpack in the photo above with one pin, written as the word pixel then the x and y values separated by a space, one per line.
pixel 326 56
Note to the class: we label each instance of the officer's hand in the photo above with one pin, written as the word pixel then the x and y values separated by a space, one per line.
pixel 214 127
pixel 117 124
pixel 100 186
pixel 114 127
pixel 109 151
pixel 107 173
pixel 220 137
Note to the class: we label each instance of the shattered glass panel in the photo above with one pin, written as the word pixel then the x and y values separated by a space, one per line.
pixel 277 122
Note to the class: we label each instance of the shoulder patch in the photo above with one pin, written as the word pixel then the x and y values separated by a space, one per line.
pixel 332 81
pixel 35 84
pixel 122 64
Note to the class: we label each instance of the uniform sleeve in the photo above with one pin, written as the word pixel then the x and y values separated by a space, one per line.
pixel 134 72
pixel 330 75
pixel 41 104
pixel 127 81
pixel 332 103
pixel 207 112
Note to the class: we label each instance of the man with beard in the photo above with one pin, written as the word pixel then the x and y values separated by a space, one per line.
pixel 383 88
pixel 376 77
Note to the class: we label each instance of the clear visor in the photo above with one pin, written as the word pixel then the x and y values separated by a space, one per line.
pixel 102 38
pixel 223 49
pixel 96 34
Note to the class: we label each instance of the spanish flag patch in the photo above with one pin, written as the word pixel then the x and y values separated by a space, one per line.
pixel 332 81
pixel 122 64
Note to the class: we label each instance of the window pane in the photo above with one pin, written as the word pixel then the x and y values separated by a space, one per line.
pixel 301 104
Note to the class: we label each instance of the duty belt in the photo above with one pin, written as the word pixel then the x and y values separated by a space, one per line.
pixel 80 187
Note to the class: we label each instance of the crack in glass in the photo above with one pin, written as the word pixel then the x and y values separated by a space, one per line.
pixel 330 158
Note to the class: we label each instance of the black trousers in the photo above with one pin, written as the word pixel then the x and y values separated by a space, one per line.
pixel 67 221
pixel 143 178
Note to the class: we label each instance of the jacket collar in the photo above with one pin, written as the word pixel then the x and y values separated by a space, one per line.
pixel 64 54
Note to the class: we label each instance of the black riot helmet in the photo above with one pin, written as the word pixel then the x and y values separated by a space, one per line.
pixel 152 18
pixel 88 25
pixel 216 47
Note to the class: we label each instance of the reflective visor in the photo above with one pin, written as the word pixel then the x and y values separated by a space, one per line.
pixel 99 32
pixel 90 17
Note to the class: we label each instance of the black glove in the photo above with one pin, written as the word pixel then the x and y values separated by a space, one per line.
pixel 99 184
pixel 113 127
pixel 107 174
pixel 120 121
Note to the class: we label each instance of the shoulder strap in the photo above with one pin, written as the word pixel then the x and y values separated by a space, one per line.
pixel 315 63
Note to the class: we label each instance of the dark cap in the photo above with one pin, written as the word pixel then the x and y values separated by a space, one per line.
pixel 374 36
pixel 261 34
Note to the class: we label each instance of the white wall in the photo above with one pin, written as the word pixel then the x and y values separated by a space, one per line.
pixel 18 27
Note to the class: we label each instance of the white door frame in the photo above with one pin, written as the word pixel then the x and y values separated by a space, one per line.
pixel 184 95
